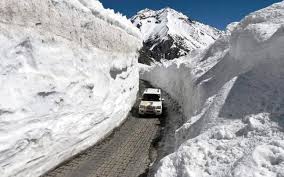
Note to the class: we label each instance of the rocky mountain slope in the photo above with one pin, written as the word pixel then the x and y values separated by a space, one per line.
pixel 68 76
pixel 168 34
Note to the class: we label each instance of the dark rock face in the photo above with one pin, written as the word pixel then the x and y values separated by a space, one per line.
pixel 158 49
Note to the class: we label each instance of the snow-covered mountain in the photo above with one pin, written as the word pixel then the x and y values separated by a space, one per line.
pixel 232 95
pixel 168 34
pixel 68 76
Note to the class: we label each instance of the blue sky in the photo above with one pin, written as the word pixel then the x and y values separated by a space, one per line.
pixel 217 13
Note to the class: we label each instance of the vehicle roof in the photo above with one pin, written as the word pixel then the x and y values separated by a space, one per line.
pixel 152 91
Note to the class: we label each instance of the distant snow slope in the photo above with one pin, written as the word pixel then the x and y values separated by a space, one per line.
pixel 168 34
pixel 232 94
pixel 68 76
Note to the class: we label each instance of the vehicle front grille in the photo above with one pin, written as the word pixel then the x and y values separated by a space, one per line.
pixel 150 108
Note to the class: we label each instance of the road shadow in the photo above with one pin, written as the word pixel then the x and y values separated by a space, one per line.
pixel 144 174
pixel 142 86
pixel 161 123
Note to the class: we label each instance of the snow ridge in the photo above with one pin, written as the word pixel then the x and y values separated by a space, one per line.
pixel 48 16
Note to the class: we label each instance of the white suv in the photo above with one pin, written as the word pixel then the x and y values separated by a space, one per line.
pixel 151 102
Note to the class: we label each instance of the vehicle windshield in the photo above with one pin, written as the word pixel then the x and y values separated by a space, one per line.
pixel 151 97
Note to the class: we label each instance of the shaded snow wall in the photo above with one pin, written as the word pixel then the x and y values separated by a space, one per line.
pixel 68 76
pixel 239 113
pixel 251 51
pixel 176 79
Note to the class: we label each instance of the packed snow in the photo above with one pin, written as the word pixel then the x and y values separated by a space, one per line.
pixel 232 96
pixel 68 77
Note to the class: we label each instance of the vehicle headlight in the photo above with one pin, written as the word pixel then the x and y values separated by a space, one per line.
pixel 141 106
pixel 159 107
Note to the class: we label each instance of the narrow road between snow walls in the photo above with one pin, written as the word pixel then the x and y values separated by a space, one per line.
pixel 132 150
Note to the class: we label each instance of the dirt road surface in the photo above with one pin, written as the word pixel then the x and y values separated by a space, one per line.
pixel 128 151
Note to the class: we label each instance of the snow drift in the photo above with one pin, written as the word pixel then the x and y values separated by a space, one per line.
pixel 232 94
pixel 68 76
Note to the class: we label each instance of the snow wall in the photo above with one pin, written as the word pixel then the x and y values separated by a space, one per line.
pixel 68 77
pixel 232 95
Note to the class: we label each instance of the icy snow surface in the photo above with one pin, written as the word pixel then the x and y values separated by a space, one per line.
pixel 68 76
pixel 232 94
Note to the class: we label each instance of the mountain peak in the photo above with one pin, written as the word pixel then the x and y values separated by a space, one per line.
pixel 149 12
pixel 170 34
pixel 145 11
pixel 171 10
pixel 168 9
pixel 162 16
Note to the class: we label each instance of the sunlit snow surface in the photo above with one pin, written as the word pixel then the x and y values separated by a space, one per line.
pixel 68 76
pixel 232 94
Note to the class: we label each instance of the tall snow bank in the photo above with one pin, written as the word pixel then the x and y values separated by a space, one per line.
pixel 232 95
pixel 68 76
pixel 73 20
